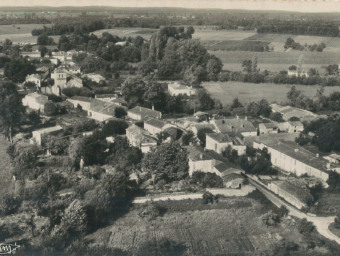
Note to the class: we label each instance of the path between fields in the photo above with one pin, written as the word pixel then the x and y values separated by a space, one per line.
pixel 321 223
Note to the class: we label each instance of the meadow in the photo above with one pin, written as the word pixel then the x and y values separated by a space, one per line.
pixel 128 32
pixel 21 33
pixel 225 92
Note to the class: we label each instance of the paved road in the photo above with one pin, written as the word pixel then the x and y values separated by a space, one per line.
pixel 321 223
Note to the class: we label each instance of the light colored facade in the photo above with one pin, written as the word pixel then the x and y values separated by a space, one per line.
pixel 38 136
pixel 140 113
pixel 200 161
pixel 84 102
pixel 266 128
pixel 101 110
pixel 176 89
pixel 140 138
pixel 217 142
pixel 235 125
pixel 153 126
pixel 290 158
pixel 35 101
pixel 60 78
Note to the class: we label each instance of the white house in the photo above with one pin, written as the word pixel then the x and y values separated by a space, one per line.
pixel 84 102
pixel 176 89
pixel 38 136
pixel 60 78
pixel 266 128
pixel 140 138
pixel 35 101
pixel 200 160
pixel 290 157
pixel 153 126
pixel 140 113
pixel 101 110
pixel 235 125
pixel 218 142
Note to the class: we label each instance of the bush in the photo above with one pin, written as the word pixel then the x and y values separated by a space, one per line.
pixel 120 112
pixel 207 180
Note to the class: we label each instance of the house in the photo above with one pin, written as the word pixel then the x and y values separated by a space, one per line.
pixel 94 77
pixel 233 180
pixel 140 113
pixel 218 142
pixel 38 136
pixel 201 116
pixel 83 102
pixel 288 112
pixel 176 89
pixel 101 110
pixel 195 128
pixel 199 160
pixel 60 78
pixel 234 125
pixel 297 72
pixel 153 126
pixel 294 193
pixel 106 97
pixel 35 101
pixel 34 78
pixel 33 54
pixel 290 157
pixel 71 68
pixel 225 168
pixel 140 138
pixel 266 128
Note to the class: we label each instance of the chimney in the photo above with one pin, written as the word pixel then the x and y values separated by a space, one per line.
pixel 245 118
pixel 237 117
pixel 317 155
pixel 153 107
pixel 201 156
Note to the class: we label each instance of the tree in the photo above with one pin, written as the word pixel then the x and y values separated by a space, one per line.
pixel 11 109
pixel 201 135
pixel 188 138
pixel 236 104
pixel 114 127
pixel 57 145
pixel 205 101
pixel 247 66
pixel 276 116
pixel 168 162
pixel 44 40
pixel 120 112
pixel 214 67
pixel 17 69
pixel 43 50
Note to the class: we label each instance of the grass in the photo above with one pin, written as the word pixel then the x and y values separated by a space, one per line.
pixel 334 230
pixel 5 175
pixel 126 32
pixel 328 204
pixel 208 34
pixel 234 45
pixel 22 35
pixel 247 92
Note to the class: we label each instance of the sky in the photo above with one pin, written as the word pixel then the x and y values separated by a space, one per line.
pixel 285 5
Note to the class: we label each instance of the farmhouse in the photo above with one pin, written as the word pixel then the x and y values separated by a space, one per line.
pixel 235 125
pixel 140 113
pixel 266 128
pixel 35 101
pixel 195 128
pixel 275 127
pixel 38 136
pixel 218 142
pixel 292 158
pixel 176 89
pixel 140 138
pixel 289 112
pixel 101 110
pixel 225 168
pixel 233 180
pixel 83 102
pixel 153 126
pixel 199 160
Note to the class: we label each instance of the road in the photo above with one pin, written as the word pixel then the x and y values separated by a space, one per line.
pixel 321 223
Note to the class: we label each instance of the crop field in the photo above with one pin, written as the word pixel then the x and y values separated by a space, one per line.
pixel 234 45
pixel 247 92
pixel 126 32
pixel 221 231
pixel 21 33
pixel 5 177
pixel 221 35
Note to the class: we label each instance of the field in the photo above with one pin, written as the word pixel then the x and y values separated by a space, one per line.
pixel 246 92
pixel 21 33
pixel 226 228
pixel 221 35
pixel 5 177
pixel 126 32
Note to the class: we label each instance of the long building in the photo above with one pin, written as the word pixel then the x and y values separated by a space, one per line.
pixel 290 157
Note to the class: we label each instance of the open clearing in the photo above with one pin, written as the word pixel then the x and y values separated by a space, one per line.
pixel 5 177
pixel 230 227
pixel 247 92
pixel 128 32
pixel 21 33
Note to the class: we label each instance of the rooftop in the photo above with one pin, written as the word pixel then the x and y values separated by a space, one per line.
pixel 49 129
pixel 234 125
pixel 103 107
pixel 219 137
pixel 154 122
pixel 269 125
pixel 145 112
pixel 196 153
pixel 81 98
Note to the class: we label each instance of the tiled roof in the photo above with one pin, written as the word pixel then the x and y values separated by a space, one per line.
pixel 232 176
pixel 219 137
pixel 145 112
pixel 103 107
pixel 269 125
pixel 154 122
pixel 81 98
pixel 196 153
pixel 234 125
